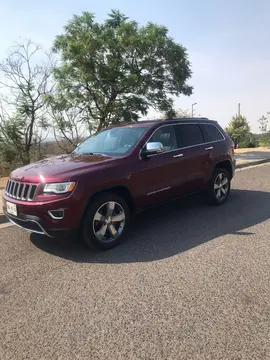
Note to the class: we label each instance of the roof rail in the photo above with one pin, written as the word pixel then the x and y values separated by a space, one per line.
pixel 187 118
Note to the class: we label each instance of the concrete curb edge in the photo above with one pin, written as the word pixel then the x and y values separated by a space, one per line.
pixel 3 219
pixel 252 163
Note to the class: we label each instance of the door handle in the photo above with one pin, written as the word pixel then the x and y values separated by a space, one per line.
pixel 209 148
pixel 178 155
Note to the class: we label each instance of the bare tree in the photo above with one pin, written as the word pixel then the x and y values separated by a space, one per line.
pixel 179 113
pixel 69 127
pixel 263 124
pixel 25 81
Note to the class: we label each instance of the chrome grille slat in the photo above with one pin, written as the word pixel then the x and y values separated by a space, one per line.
pixel 11 188
pixel 19 194
pixel 15 189
pixel 26 191
pixel 20 191
pixel 29 192
pixel 8 186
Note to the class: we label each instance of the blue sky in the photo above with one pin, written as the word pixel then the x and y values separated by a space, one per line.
pixel 228 44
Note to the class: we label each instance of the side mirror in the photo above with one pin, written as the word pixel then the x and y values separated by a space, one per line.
pixel 153 148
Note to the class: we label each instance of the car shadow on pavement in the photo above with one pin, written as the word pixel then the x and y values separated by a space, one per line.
pixel 171 229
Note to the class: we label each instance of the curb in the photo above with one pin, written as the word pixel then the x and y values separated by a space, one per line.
pixel 3 218
pixel 252 163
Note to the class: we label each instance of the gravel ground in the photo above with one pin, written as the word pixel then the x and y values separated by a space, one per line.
pixel 191 282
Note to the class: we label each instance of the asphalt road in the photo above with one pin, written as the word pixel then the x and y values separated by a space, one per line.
pixel 191 282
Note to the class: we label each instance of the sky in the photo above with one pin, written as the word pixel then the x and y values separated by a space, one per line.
pixel 227 42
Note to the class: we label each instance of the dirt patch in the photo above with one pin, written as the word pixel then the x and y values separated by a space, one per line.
pixel 250 149
pixel 3 182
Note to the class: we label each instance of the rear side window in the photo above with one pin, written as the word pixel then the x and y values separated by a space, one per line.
pixel 188 135
pixel 211 133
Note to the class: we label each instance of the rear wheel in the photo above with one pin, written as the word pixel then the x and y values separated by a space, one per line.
pixel 106 221
pixel 220 187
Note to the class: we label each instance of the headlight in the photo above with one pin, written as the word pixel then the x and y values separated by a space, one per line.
pixel 59 188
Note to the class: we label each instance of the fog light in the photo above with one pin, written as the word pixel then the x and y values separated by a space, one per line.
pixel 56 214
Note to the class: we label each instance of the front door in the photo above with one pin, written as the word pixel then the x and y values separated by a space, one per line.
pixel 157 176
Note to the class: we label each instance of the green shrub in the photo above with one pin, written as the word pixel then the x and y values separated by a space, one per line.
pixel 247 143
pixel 264 140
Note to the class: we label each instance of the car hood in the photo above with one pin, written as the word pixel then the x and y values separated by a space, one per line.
pixel 64 166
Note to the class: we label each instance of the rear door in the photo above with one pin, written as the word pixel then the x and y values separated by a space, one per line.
pixel 215 146
pixel 194 156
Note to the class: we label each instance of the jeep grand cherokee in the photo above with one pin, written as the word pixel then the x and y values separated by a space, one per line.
pixel 118 171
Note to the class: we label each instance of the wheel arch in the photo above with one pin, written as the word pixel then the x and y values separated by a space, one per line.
pixel 120 190
pixel 225 164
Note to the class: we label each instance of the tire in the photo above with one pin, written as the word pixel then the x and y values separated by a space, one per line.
pixel 215 193
pixel 106 222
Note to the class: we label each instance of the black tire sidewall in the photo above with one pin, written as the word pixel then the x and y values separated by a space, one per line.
pixel 211 193
pixel 88 235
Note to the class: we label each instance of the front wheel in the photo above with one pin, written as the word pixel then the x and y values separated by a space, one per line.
pixel 106 221
pixel 220 187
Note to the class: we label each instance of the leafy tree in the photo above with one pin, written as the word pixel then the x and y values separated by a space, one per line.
pixel 115 71
pixel 238 128
pixel 26 75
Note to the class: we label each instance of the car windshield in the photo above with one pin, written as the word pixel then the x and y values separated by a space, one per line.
pixel 112 142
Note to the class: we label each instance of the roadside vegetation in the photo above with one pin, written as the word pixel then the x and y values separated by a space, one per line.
pixel 239 130
pixel 95 75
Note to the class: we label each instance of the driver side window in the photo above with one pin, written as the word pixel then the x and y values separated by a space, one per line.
pixel 166 136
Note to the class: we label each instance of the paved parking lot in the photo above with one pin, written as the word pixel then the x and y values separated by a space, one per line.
pixel 191 282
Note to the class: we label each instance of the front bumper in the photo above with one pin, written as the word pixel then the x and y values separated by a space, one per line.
pixel 33 224
pixel 35 217
pixel 28 223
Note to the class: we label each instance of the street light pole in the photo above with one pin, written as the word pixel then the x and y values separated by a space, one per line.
pixel 192 109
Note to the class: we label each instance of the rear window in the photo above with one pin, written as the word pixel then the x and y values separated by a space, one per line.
pixel 188 135
pixel 211 133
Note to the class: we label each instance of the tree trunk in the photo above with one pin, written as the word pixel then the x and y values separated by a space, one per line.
pixel 26 158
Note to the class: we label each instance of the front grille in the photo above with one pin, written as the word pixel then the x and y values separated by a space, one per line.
pixel 20 191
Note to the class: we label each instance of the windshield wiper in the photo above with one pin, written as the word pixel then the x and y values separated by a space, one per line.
pixel 93 153
pixel 88 153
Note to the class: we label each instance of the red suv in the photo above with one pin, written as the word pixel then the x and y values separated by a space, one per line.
pixel 118 171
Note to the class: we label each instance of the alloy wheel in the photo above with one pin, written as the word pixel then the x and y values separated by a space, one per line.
pixel 109 221
pixel 221 186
